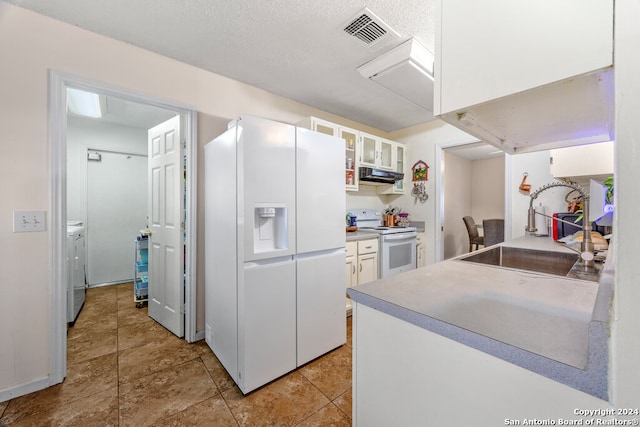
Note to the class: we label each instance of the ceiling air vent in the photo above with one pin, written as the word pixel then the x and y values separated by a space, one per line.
pixel 368 28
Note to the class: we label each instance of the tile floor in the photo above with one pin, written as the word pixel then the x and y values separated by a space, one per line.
pixel 123 369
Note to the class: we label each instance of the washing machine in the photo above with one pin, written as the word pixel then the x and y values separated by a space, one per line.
pixel 76 284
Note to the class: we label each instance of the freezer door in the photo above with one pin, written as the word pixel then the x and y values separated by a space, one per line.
pixel 320 192
pixel 266 322
pixel 321 310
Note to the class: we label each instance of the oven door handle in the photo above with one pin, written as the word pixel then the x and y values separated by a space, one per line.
pixel 399 236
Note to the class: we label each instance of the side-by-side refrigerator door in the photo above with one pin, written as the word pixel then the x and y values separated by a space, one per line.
pixel 320 242
pixel 321 200
pixel 266 198
pixel 266 322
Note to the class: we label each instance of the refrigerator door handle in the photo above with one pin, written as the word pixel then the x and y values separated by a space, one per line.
pixel 399 236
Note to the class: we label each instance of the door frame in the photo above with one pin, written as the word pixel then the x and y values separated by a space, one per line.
pixel 58 84
pixel 440 196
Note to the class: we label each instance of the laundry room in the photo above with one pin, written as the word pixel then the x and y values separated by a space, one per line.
pixel 107 180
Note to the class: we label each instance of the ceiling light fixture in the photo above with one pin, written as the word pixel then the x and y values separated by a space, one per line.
pixel 84 103
pixel 406 70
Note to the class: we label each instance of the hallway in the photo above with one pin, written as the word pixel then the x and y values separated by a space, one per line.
pixel 124 369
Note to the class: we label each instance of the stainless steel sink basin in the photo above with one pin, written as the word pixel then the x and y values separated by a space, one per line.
pixel 556 263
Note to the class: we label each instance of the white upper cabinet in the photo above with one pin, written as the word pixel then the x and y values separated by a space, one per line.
pixel 526 75
pixel 350 137
pixel 376 152
pixel 581 163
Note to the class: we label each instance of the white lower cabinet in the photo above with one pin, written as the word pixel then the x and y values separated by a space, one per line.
pixel 420 251
pixel 351 268
pixel 367 260
pixel 361 263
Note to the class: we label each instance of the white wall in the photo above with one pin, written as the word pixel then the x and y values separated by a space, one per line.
pixel 83 133
pixel 487 188
pixel 536 165
pixel 626 328
pixel 457 204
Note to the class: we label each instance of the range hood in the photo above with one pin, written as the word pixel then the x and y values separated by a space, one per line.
pixel 406 70
pixel 371 175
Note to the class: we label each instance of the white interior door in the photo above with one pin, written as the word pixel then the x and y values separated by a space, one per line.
pixel 116 211
pixel 166 216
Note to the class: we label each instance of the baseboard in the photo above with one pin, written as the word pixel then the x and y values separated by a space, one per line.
pixel 26 388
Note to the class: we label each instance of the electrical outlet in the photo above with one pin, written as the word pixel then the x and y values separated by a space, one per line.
pixel 29 221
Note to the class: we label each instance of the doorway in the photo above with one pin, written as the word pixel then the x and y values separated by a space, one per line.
pixel 472 182
pixel 58 85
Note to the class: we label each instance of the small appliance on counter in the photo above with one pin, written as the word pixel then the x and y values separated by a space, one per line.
pixel 351 221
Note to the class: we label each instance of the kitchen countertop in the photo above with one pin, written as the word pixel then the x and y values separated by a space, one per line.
pixel 353 236
pixel 554 326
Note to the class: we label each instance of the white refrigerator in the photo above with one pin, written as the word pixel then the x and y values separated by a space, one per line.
pixel 274 248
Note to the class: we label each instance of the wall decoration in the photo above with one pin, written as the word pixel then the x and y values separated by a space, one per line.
pixel 420 171
pixel 420 174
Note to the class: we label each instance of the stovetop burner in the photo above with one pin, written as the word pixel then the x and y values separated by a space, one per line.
pixel 370 220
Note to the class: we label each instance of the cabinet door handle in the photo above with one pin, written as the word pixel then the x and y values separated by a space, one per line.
pixel 354 268
pixel 360 268
pixel 368 247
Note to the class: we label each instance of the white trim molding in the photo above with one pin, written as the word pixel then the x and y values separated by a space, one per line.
pixel 58 83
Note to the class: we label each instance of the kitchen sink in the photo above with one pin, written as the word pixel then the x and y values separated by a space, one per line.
pixel 555 263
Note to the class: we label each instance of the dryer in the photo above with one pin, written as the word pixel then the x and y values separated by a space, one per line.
pixel 76 284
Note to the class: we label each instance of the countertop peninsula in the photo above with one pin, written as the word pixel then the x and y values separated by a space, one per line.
pixel 554 326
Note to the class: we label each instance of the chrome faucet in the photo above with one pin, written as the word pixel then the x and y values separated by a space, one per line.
pixel 586 247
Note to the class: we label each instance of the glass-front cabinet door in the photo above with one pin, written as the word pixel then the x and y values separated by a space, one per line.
pixel 386 155
pixel 399 186
pixel 377 152
pixel 326 128
pixel 350 138
pixel 351 165
pixel 369 153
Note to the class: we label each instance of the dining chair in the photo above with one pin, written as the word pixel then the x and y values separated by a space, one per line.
pixel 493 230
pixel 472 229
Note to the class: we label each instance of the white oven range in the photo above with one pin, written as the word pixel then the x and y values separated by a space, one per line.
pixel 397 244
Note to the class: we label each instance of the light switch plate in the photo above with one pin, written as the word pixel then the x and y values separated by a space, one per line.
pixel 29 221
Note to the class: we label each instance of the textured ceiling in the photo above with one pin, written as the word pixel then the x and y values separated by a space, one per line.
pixel 293 48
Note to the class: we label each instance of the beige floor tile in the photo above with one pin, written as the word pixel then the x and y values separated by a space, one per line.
pixel 131 314
pixel 86 345
pixel 153 356
pixel 138 333
pixel 99 409
pixel 284 402
pixel 87 324
pixel 83 379
pixel 331 373
pixel 125 296
pixel 210 413
pixel 101 300
pixel 219 374
pixel 119 359
pixel 345 403
pixel 101 294
pixel 164 393
pixel 202 347
pixel 329 415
